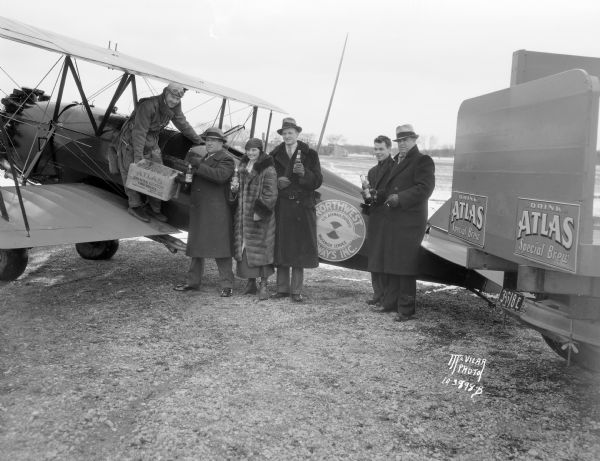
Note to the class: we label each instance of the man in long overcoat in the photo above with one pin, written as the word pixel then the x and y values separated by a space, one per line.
pixel 377 176
pixel 299 176
pixel 395 242
pixel 210 232
pixel 138 139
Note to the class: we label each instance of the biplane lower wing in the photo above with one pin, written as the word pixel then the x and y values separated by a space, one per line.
pixel 70 213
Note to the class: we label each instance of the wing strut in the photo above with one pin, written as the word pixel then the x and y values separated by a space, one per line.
pixel 253 126
pixel 125 80
pixel 38 154
pixel 268 130
pixel 69 63
pixel 13 171
pixel 3 211
pixel 222 113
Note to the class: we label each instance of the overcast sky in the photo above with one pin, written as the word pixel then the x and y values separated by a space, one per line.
pixel 406 61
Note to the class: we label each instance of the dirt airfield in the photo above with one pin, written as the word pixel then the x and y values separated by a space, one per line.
pixel 104 361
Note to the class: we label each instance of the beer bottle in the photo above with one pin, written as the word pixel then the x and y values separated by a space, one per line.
pixel 235 180
pixel 189 175
pixel 366 187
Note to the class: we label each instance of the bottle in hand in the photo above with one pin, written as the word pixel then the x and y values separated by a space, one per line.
pixel 366 188
pixel 235 180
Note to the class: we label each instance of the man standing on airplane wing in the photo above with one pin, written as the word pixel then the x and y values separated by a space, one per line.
pixel 139 139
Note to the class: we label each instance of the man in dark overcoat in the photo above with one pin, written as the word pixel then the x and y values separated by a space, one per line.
pixel 377 176
pixel 210 232
pixel 396 241
pixel 298 177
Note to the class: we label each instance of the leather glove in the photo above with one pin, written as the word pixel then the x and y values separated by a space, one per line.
pixel 392 201
pixel 283 182
pixel 298 169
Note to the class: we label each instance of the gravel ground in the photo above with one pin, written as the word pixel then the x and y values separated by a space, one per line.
pixel 102 360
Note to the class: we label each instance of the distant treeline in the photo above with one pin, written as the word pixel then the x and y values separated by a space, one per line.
pixel 358 149
pixel 442 152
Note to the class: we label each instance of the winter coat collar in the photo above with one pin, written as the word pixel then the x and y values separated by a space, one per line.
pixel 281 155
pixel 263 162
pixel 159 102
pixel 216 157
pixel 398 167
pixel 382 170
pixel 411 153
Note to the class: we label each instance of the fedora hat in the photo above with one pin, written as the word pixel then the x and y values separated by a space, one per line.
pixel 289 122
pixel 175 89
pixel 213 133
pixel 405 131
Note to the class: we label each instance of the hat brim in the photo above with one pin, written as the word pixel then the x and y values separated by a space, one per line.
pixel 175 95
pixel 214 137
pixel 297 128
pixel 405 137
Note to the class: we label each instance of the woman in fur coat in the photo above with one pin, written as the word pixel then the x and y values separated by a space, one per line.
pixel 254 221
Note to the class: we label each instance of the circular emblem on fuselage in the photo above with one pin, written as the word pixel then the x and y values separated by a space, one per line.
pixel 340 230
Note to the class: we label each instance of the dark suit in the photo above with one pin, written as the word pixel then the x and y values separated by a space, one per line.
pixel 377 176
pixel 395 232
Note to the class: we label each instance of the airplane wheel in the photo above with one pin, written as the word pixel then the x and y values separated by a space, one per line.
pixel 104 249
pixel 12 263
pixel 588 356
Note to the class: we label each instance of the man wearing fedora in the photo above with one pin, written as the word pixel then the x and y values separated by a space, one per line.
pixel 210 232
pixel 395 253
pixel 138 139
pixel 298 177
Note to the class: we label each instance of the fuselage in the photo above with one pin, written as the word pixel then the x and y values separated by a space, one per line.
pixel 76 154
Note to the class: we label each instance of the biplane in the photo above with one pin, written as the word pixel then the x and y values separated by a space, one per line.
pixel 521 220
pixel 63 193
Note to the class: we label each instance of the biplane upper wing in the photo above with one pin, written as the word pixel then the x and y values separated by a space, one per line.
pixel 23 33
pixel 70 213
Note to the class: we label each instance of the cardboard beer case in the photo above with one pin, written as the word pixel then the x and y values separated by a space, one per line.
pixel 152 179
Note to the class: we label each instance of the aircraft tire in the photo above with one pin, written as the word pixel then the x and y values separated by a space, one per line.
pixel 104 249
pixel 12 263
pixel 588 356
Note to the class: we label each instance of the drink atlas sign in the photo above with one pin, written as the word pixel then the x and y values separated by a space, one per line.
pixel 548 232
pixel 467 217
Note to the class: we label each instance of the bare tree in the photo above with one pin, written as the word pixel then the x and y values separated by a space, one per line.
pixel 274 140
pixel 308 138
pixel 336 139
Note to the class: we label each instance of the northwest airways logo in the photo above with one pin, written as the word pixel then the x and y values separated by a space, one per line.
pixel 340 230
